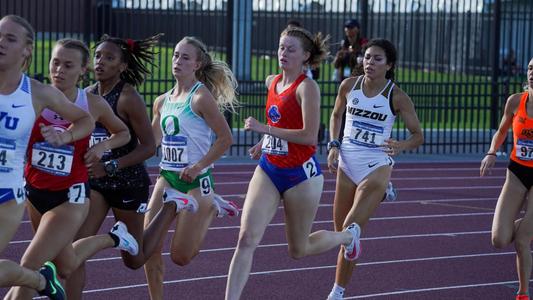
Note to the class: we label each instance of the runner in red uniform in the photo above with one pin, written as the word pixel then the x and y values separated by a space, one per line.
pixel 287 169
pixel 517 190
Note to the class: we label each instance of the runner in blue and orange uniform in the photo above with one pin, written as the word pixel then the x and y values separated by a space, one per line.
pixel 516 191
pixel 287 167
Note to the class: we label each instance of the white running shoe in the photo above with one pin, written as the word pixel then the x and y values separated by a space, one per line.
pixel 391 194
pixel 334 296
pixel 126 241
pixel 353 250
pixel 183 201
pixel 224 207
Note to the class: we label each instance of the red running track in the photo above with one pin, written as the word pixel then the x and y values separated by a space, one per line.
pixel 432 243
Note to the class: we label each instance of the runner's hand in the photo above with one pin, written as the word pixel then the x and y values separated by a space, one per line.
pixel 486 165
pixel 333 160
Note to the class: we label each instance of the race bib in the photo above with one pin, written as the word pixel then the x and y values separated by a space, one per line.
pixel 274 146
pixel 99 135
pixel 310 168
pixel 53 160
pixel 174 152
pixel 7 155
pixel 366 135
pixel 76 194
pixel 524 149
pixel 206 188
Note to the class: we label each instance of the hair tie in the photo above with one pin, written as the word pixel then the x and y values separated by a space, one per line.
pixel 131 44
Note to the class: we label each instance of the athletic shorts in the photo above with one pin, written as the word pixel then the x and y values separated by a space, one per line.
pixel 357 165
pixel 8 194
pixel 46 200
pixel 135 199
pixel 524 173
pixel 286 178
pixel 203 181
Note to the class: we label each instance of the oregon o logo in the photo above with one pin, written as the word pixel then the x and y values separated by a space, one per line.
pixel 170 125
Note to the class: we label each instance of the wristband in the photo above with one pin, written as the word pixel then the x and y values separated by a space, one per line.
pixel 493 154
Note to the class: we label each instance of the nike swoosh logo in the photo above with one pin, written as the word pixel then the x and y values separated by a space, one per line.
pixel 17 106
pixel 127 201
pixel 378 106
pixel 372 165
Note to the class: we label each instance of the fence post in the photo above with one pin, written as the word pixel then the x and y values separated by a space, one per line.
pixel 363 6
pixel 87 16
pixel 495 97
pixel 229 50
pixel 242 39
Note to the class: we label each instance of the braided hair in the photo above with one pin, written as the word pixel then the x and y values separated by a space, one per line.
pixel 137 54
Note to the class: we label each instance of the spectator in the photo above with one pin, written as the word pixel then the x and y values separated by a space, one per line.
pixel 349 57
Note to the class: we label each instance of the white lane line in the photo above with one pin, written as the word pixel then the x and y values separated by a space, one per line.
pixel 432 169
pixel 422 201
pixel 218 183
pixel 446 234
pixel 331 221
pixel 307 269
pixel 442 288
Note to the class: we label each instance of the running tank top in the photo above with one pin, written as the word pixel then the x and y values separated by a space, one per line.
pixel 17 116
pixel 523 134
pixel 56 168
pixel 284 111
pixel 134 176
pixel 369 120
pixel 186 136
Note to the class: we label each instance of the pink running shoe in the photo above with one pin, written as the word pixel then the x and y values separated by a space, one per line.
pixel 353 250
pixel 183 201
pixel 224 207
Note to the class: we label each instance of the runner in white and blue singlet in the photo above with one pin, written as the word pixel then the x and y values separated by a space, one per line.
pixel 21 100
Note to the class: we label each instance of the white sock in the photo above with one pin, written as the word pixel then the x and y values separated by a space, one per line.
pixel 337 289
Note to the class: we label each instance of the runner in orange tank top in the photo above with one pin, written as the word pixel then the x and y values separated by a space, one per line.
pixel 287 167
pixel 518 182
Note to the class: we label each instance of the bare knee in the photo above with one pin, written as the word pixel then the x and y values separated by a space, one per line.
pixel 182 259
pixel 499 241
pixel 134 263
pixel 247 241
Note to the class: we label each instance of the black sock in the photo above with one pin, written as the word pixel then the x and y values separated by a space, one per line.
pixel 115 238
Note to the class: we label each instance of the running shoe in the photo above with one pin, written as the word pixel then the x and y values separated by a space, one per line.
pixel 53 288
pixel 353 250
pixel 334 296
pixel 183 201
pixel 224 207
pixel 126 241
pixel 522 297
pixel 391 194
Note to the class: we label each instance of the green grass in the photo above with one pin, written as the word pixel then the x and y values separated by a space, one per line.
pixel 443 99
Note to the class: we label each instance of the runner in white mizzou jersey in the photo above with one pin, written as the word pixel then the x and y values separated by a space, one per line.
pixel 371 103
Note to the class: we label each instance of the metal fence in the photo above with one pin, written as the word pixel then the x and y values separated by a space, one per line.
pixel 458 60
